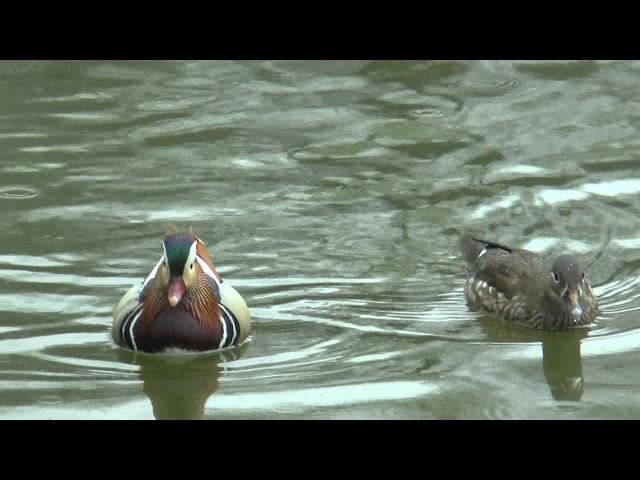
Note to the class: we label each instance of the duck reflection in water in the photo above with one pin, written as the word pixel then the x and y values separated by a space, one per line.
pixel 562 365
pixel 561 357
pixel 179 385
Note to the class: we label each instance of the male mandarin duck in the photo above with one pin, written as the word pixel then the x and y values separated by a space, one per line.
pixel 182 304
pixel 514 284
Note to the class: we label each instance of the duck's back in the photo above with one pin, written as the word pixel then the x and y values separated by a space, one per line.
pixel 501 279
pixel 482 255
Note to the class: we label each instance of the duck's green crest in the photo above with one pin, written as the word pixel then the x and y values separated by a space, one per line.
pixel 177 248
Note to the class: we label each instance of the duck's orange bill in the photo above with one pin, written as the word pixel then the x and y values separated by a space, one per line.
pixel 572 297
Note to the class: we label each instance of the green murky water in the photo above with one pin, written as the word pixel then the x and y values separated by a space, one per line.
pixel 332 195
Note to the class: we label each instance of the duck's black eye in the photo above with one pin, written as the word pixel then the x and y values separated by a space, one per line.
pixel 556 277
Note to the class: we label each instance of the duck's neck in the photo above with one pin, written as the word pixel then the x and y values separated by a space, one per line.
pixel 200 301
pixel 558 314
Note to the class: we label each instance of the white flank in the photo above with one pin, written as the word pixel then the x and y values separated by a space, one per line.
pixel 133 323
pixel 233 325
pixel 224 334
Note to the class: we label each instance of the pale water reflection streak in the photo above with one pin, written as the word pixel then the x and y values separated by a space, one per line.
pixel 332 196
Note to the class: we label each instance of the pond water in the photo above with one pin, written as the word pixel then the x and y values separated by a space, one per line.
pixel 332 196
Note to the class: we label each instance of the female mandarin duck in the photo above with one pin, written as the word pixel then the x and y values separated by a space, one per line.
pixel 515 285
pixel 182 304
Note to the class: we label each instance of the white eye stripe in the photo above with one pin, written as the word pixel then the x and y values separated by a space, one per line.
pixel 207 269
pixel 164 256
pixel 192 255
pixel 152 274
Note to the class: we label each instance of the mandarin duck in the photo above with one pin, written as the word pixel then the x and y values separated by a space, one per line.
pixel 516 286
pixel 182 304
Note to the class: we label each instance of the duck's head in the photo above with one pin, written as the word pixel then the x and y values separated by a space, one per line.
pixel 567 277
pixel 180 268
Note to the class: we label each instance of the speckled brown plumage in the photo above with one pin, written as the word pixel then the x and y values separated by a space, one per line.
pixel 515 285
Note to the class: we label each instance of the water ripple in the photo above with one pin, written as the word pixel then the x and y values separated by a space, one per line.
pixel 293 401
pixel 18 192
pixel 332 195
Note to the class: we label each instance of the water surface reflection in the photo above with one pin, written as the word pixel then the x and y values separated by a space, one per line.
pixel 179 385
pixel 560 351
